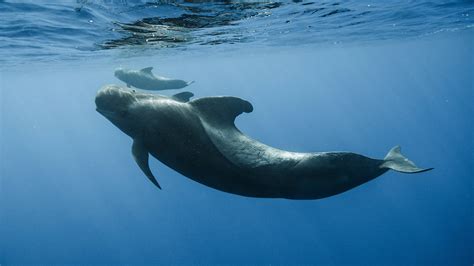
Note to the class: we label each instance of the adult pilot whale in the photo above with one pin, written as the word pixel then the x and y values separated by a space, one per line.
pixel 145 80
pixel 199 139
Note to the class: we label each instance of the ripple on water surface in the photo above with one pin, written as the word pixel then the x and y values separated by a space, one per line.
pixel 41 30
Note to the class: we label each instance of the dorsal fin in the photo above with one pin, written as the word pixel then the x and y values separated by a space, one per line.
pixel 183 96
pixel 147 70
pixel 221 110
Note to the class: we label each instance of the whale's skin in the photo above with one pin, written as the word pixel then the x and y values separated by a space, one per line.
pixel 199 140
pixel 144 79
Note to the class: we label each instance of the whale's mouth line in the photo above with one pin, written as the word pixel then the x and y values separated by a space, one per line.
pixel 105 112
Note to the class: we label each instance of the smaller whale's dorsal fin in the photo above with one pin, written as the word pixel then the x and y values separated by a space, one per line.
pixel 147 70
pixel 183 96
pixel 221 110
pixel 140 154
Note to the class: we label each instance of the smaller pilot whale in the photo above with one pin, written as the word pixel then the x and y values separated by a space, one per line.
pixel 145 80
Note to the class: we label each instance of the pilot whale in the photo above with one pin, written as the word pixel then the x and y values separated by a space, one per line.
pixel 145 80
pixel 199 139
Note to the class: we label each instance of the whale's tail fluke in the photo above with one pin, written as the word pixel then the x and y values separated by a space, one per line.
pixel 396 161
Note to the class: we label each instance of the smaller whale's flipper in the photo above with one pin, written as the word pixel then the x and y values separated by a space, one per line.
pixel 140 154
pixel 183 96
pixel 396 161
pixel 147 70
pixel 221 111
pixel 189 82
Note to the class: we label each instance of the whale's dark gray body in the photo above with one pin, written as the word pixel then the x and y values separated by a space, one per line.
pixel 199 140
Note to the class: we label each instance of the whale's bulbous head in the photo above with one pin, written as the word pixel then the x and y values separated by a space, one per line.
pixel 115 104
pixel 119 73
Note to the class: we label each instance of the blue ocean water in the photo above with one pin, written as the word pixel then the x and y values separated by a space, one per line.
pixel 354 76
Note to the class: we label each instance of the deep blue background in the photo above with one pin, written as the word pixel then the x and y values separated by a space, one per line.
pixel 71 191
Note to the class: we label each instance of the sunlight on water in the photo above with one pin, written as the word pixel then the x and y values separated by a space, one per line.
pixel 65 29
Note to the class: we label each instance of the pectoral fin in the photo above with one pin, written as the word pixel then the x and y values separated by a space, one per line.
pixel 140 154
pixel 183 96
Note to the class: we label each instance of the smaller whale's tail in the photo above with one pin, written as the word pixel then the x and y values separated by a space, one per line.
pixel 396 161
